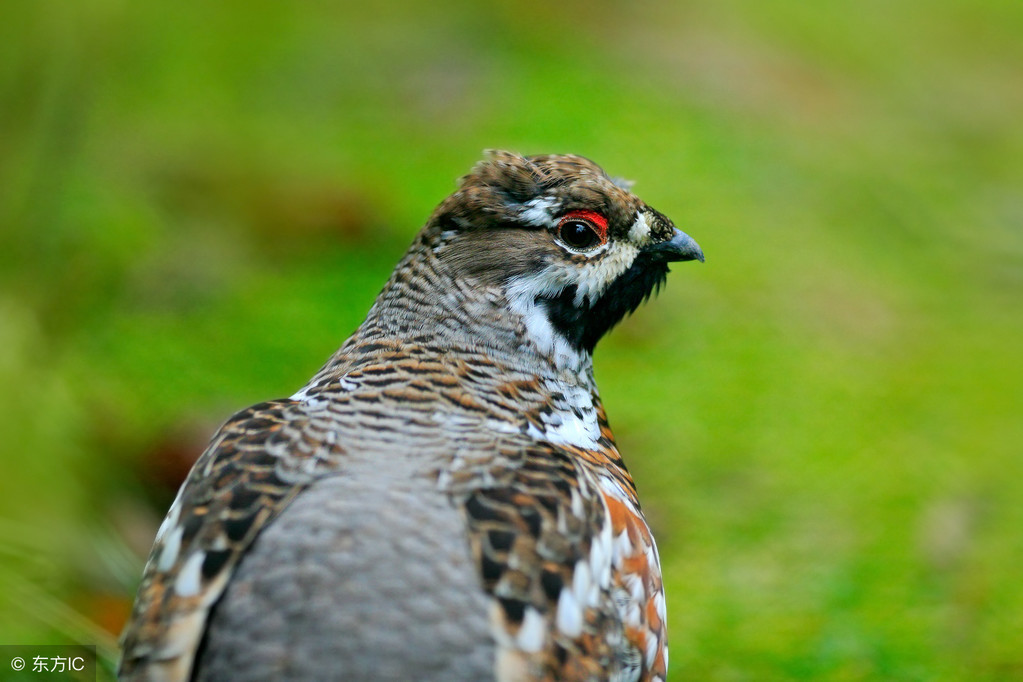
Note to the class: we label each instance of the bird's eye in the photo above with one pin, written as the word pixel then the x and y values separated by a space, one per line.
pixel 582 230
pixel 579 234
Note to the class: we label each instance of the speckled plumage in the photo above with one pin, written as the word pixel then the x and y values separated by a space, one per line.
pixel 444 500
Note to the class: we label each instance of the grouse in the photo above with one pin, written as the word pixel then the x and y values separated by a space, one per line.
pixel 444 499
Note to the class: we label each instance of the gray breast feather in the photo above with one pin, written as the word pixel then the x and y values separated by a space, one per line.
pixel 362 577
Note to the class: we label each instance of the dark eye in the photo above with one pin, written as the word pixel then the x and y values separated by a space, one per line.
pixel 579 235
pixel 582 230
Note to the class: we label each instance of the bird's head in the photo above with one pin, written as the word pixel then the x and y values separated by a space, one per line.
pixel 572 249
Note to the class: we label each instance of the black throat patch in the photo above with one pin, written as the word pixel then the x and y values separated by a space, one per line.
pixel 584 325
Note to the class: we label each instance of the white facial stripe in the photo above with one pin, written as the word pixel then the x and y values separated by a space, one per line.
pixel 539 212
pixel 548 282
pixel 640 230
pixel 522 301
pixel 592 279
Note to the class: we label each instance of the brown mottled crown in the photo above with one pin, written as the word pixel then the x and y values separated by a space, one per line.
pixel 500 188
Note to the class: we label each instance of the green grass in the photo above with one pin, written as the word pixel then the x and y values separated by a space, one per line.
pixel 198 202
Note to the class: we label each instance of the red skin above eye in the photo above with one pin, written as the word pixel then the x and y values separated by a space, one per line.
pixel 598 221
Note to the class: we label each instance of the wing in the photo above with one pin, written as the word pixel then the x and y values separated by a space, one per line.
pixel 639 586
pixel 258 461
pixel 557 551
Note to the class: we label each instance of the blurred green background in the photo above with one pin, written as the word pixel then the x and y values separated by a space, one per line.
pixel 200 200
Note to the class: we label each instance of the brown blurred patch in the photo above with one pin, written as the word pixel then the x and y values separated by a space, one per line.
pixel 108 611
pixel 164 465
pixel 269 209
pixel 287 213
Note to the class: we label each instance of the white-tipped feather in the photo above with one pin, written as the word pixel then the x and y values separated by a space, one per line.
pixel 570 615
pixel 188 583
pixel 532 632
pixel 539 212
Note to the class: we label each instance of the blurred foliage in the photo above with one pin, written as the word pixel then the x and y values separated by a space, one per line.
pixel 199 201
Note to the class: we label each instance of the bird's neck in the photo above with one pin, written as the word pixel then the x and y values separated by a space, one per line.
pixel 423 303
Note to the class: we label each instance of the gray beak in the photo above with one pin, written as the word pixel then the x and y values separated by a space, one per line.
pixel 680 247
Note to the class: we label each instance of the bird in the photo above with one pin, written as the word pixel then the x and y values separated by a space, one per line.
pixel 444 499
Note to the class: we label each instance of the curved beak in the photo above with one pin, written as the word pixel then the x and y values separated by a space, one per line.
pixel 680 247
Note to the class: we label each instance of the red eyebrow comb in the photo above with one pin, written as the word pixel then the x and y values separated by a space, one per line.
pixel 598 221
